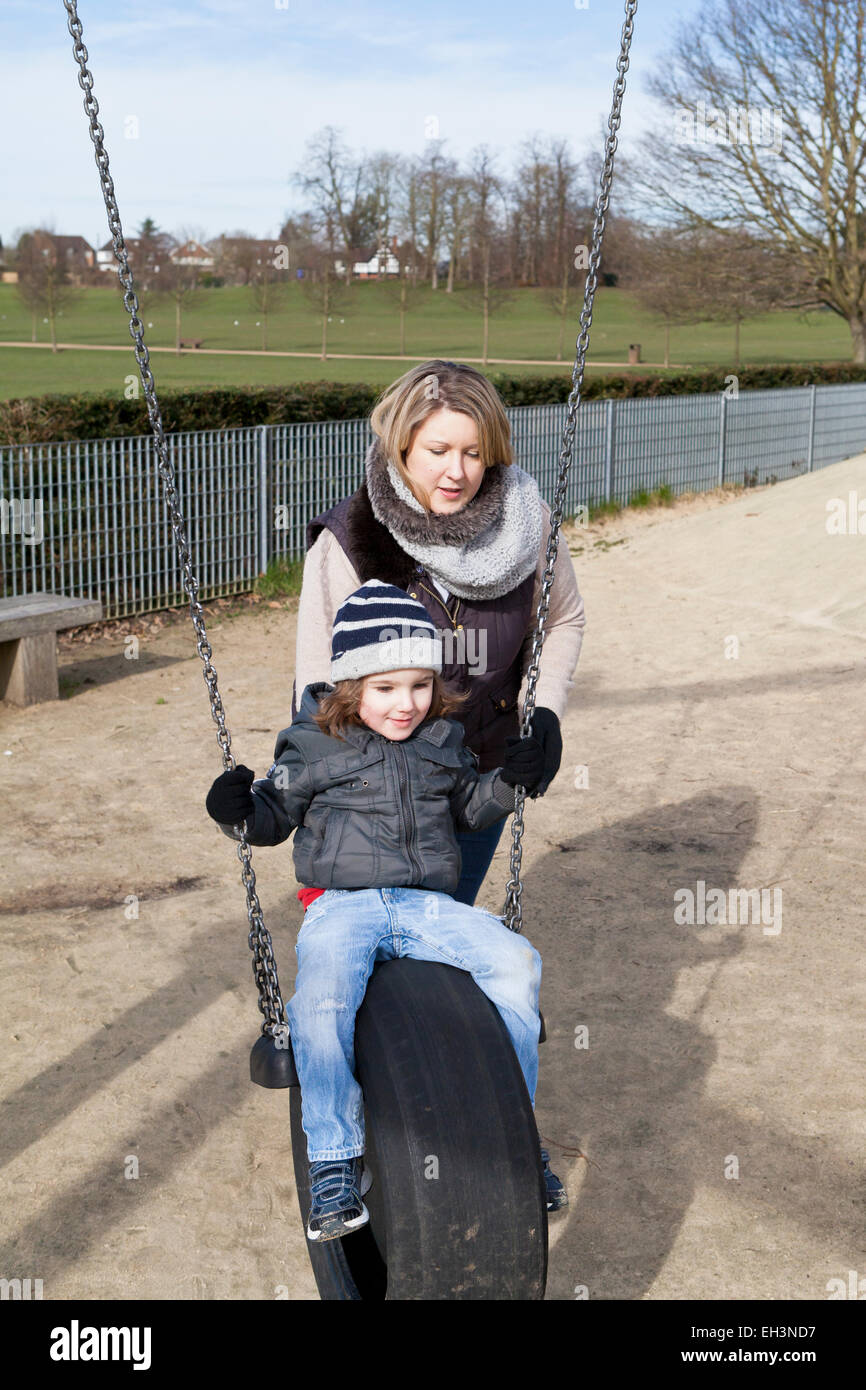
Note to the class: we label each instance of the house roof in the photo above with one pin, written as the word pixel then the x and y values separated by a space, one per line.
pixel 66 244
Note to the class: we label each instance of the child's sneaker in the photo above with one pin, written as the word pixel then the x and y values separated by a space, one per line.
pixel 557 1197
pixel 336 1208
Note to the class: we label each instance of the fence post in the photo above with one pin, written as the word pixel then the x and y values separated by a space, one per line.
pixel 264 536
pixel 723 415
pixel 608 452
pixel 813 390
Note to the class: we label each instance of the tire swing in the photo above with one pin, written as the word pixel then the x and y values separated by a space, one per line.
pixel 457 1202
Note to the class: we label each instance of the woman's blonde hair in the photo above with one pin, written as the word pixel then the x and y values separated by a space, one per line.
pixel 341 706
pixel 432 386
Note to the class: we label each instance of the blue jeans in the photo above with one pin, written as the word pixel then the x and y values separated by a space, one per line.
pixel 477 848
pixel 344 933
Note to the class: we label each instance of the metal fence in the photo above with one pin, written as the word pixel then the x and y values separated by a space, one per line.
pixel 88 518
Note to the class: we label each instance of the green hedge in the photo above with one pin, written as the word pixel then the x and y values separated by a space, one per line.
pixel 35 419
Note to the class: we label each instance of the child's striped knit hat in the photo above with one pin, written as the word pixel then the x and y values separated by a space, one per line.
pixel 380 628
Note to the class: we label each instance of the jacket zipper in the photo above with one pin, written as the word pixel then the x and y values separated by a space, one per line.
pixel 405 809
pixel 452 618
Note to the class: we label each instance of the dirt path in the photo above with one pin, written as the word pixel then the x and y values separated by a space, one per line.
pixel 720 1099
pixel 335 356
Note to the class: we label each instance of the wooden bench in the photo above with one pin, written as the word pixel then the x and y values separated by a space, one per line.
pixel 191 342
pixel 28 642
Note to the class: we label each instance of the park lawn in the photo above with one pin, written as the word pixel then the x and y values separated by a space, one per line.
pixel 438 326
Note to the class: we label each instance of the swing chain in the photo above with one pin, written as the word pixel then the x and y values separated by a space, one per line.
pixel 512 914
pixel 264 965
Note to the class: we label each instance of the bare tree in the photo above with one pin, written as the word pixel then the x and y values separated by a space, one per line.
pixel 565 297
pixel 178 285
pixel 568 210
pixel 531 197
pixel 664 274
pixel 766 129
pixel 325 293
pixel 383 173
pixel 43 280
pixel 405 296
pixel 741 277
pixel 490 290
pixel 435 172
pixel 457 214
pixel 267 292
pixel 341 204
pixel 409 185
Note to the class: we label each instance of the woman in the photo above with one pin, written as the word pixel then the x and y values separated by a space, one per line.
pixel 446 514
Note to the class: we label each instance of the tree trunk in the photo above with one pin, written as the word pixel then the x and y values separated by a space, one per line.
pixel 858 338
pixel 667 342
pixel 33 334
pixel 52 323
pixel 563 315
pixel 177 327
pixel 736 345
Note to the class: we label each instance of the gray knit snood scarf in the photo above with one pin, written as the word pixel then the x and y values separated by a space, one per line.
pixel 483 551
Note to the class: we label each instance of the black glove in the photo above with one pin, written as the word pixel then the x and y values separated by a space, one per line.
pixel 545 727
pixel 524 763
pixel 230 801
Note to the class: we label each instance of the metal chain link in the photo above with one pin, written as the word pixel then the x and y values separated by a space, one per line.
pixel 512 913
pixel 264 965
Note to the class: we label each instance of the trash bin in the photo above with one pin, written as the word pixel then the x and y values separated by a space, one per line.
pixel 633 353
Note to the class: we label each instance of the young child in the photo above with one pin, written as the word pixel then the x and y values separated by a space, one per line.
pixel 374 778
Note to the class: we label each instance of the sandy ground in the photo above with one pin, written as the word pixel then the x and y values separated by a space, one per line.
pixel 719 1102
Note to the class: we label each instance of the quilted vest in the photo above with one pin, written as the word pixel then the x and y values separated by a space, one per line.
pixel 482 638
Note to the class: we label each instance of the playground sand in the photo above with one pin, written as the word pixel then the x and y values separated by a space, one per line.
pixel 711 1075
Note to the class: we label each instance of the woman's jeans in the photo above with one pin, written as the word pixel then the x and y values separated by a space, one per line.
pixel 477 848
pixel 344 933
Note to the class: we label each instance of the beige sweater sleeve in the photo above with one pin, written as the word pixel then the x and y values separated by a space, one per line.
pixel 563 631
pixel 329 578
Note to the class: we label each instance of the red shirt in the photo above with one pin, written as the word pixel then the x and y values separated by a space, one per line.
pixel 307 895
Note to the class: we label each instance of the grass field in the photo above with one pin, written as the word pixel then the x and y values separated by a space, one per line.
pixel 224 319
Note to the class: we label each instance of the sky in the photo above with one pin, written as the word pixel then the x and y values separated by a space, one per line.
pixel 207 105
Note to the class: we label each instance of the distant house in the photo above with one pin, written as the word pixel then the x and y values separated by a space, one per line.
pixel 74 252
pixel 369 264
pixel 158 248
pixel 194 254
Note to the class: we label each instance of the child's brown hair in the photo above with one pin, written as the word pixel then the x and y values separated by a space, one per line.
pixel 341 705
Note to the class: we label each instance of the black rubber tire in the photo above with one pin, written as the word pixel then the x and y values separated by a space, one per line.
pixel 441 1081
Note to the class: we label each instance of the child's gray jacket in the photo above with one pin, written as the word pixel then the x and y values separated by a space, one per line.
pixel 371 812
